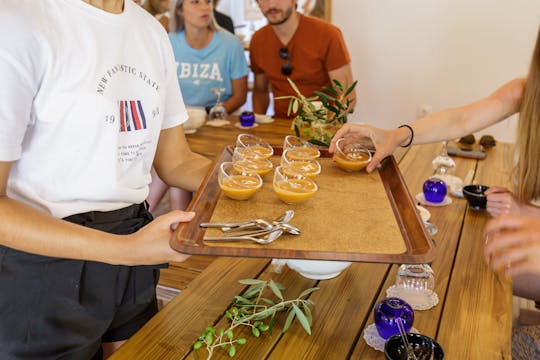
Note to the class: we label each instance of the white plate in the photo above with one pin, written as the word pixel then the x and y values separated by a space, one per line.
pixel 263 119
pixel 190 131
pixel 238 125
pixel 422 200
pixel 425 215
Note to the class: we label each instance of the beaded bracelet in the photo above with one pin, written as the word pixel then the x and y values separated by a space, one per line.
pixel 412 135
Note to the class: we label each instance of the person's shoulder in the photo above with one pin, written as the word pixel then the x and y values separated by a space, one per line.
pixel 318 24
pixel 226 37
pixel 262 33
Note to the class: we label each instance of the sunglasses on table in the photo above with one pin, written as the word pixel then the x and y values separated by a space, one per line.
pixel 287 68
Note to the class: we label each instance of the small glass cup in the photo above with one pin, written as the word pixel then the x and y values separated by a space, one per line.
pixel 306 167
pixel 388 312
pixel 238 185
pixel 300 149
pixel 292 187
pixel 416 277
pixel 247 119
pixel 351 156
pixel 246 160
pixel 434 190
pixel 255 144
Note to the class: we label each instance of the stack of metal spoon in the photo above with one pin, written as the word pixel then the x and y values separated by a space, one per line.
pixel 260 231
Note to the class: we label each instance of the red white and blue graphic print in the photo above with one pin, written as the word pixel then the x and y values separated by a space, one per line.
pixel 131 116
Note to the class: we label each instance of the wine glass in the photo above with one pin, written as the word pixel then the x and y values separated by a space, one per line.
pixel 218 111
pixel 416 277
pixel 443 164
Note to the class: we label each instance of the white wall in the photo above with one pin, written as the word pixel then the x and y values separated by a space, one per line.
pixel 441 53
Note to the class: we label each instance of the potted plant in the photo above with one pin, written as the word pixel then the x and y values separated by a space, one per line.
pixel 318 117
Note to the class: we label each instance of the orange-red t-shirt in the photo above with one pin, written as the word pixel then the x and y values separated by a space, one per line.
pixel 316 48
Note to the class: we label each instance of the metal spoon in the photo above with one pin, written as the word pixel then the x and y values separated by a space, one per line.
pixel 219 225
pixel 257 223
pixel 260 223
pixel 290 229
pixel 267 239
pixel 285 218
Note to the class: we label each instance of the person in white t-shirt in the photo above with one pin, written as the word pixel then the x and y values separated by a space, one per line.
pixel 90 102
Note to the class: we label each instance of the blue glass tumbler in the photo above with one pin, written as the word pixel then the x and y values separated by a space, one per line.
pixel 388 312
pixel 247 119
pixel 434 190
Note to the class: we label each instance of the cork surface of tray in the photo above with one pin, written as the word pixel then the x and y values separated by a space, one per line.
pixel 353 216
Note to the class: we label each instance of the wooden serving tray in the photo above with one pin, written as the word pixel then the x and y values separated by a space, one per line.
pixel 353 217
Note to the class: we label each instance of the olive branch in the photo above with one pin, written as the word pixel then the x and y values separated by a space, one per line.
pixel 251 309
pixel 313 119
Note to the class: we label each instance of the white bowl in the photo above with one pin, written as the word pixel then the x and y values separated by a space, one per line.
pixel 318 269
pixel 197 117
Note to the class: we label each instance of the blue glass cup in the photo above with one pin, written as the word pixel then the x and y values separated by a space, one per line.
pixel 388 312
pixel 247 119
pixel 434 190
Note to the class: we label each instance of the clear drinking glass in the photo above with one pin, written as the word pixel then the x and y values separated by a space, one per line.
pixel 218 111
pixel 246 160
pixel 254 144
pixel 306 167
pixel 291 187
pixel 300 149
pixel 351 155
pixel 416 277
pixel 238 184
pixel 443 164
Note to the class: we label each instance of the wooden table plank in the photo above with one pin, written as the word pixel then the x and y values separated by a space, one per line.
pixel 479 302
pixel 179 274
pixel 192 313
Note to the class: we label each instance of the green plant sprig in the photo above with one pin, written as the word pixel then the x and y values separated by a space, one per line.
pixel 313 120
pixel 251 309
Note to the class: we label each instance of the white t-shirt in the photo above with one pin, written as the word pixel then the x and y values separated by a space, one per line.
pixel 83 96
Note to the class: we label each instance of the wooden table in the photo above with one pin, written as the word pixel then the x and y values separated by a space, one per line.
pixel 471 321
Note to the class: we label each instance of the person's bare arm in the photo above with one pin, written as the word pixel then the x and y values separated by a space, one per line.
pixel 176 164
pixel 442 125
pixel 28 229
pixel 454 123
pixel 345 77
pixel 261 97
pixel 239 94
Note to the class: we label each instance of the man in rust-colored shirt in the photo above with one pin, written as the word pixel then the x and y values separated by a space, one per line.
pixel 309 51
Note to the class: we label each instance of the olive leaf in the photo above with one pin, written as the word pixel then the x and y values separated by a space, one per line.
pixel 302 318
pixel 289 320
pixel 257 311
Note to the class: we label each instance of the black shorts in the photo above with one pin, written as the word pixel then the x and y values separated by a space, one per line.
pixel 54 308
